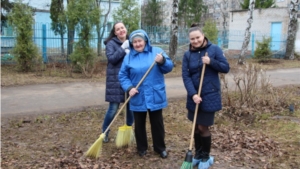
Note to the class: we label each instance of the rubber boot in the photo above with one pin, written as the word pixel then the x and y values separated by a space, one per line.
pixel 206 160
pixel 198 149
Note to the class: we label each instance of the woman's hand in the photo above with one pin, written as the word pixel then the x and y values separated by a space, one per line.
pixel 159 58
pixel 197 99
pixel 133 91
pixel 206 59
pixel 125 45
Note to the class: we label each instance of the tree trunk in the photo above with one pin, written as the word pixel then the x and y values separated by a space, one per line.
pixel 104 25
pixel 71 34
pixel 292 30
pixel 99 45
pixel 174 30
pixel 62 49
pixel 241 60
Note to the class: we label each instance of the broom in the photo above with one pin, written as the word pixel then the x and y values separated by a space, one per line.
pixel 125 135
pixel 187 164
pixel 95 149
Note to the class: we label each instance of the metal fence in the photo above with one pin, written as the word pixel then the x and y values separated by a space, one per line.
pixel 49 44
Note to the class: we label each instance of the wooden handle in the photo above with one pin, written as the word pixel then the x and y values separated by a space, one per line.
pixel 197 107
pixel 125 114
pixel 127 100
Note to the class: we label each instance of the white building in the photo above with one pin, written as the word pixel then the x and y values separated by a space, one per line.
pixel 270 22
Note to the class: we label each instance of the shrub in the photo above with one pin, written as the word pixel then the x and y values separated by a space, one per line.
pixel 210 30
pixel 87 16
pixel 25 51
pixel 263 51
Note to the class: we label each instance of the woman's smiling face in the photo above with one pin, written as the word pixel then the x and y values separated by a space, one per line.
pixel 139 44
pixel 196 38
pixel 120 31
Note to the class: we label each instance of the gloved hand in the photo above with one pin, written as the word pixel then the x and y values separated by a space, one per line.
pixel 125 44
pixel 127 51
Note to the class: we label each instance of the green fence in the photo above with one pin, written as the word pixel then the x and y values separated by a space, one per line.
pixel 49 44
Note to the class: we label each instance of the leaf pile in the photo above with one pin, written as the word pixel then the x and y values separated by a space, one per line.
pixel 244 145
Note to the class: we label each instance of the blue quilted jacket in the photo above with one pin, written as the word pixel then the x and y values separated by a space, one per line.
pixel 115 55
pixel 152 92
pixel 211 87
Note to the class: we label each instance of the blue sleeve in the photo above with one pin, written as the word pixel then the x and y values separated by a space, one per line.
pixel 124 76
pixel 219 62
pixel 114 53
pixel 168 65
pixel 186 77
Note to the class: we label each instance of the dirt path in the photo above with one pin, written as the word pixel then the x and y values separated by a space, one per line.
pixel 69 97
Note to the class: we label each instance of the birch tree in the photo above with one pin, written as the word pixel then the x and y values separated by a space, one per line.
pixel 292 30
pixel 174 31
pixel 241 59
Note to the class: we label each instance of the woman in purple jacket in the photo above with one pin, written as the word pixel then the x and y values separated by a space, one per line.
pixel 210 99
pixel 117 46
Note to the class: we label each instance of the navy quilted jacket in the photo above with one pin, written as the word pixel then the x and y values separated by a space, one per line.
pixel 115 55
pixel 191 72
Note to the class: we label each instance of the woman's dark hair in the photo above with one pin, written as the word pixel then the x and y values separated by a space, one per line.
pixel 195 27
pixel 112 33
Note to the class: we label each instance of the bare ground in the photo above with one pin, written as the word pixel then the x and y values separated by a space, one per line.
pixel 271 140
pixel 60 141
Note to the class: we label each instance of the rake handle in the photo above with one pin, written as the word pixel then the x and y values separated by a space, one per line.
pixel 125 114
pixel 127 100
pixel 197 107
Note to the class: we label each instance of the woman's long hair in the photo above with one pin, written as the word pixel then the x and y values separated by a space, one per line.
pixel 112 33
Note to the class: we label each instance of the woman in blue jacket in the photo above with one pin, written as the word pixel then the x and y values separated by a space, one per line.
pixel 151 94
pixel 117 46
pixel 210 100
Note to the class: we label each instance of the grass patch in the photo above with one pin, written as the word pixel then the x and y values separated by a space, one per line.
pixel 287 134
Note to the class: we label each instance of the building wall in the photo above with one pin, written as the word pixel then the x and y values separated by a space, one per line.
pixel 167 8
pixel 282 3
pixel 297 42
pixel 262 19
pixel 219 10
pixel 261 26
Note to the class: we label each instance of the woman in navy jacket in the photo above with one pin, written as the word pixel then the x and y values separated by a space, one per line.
pixel 210 100
pixel 117 46
pixel 151 94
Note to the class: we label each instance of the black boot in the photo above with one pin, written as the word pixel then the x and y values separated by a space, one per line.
pixel 206 145
pixel 198 149
pixel 206 160
pixel 198 146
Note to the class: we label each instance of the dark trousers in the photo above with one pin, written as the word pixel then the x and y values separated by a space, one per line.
pixel 157 130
